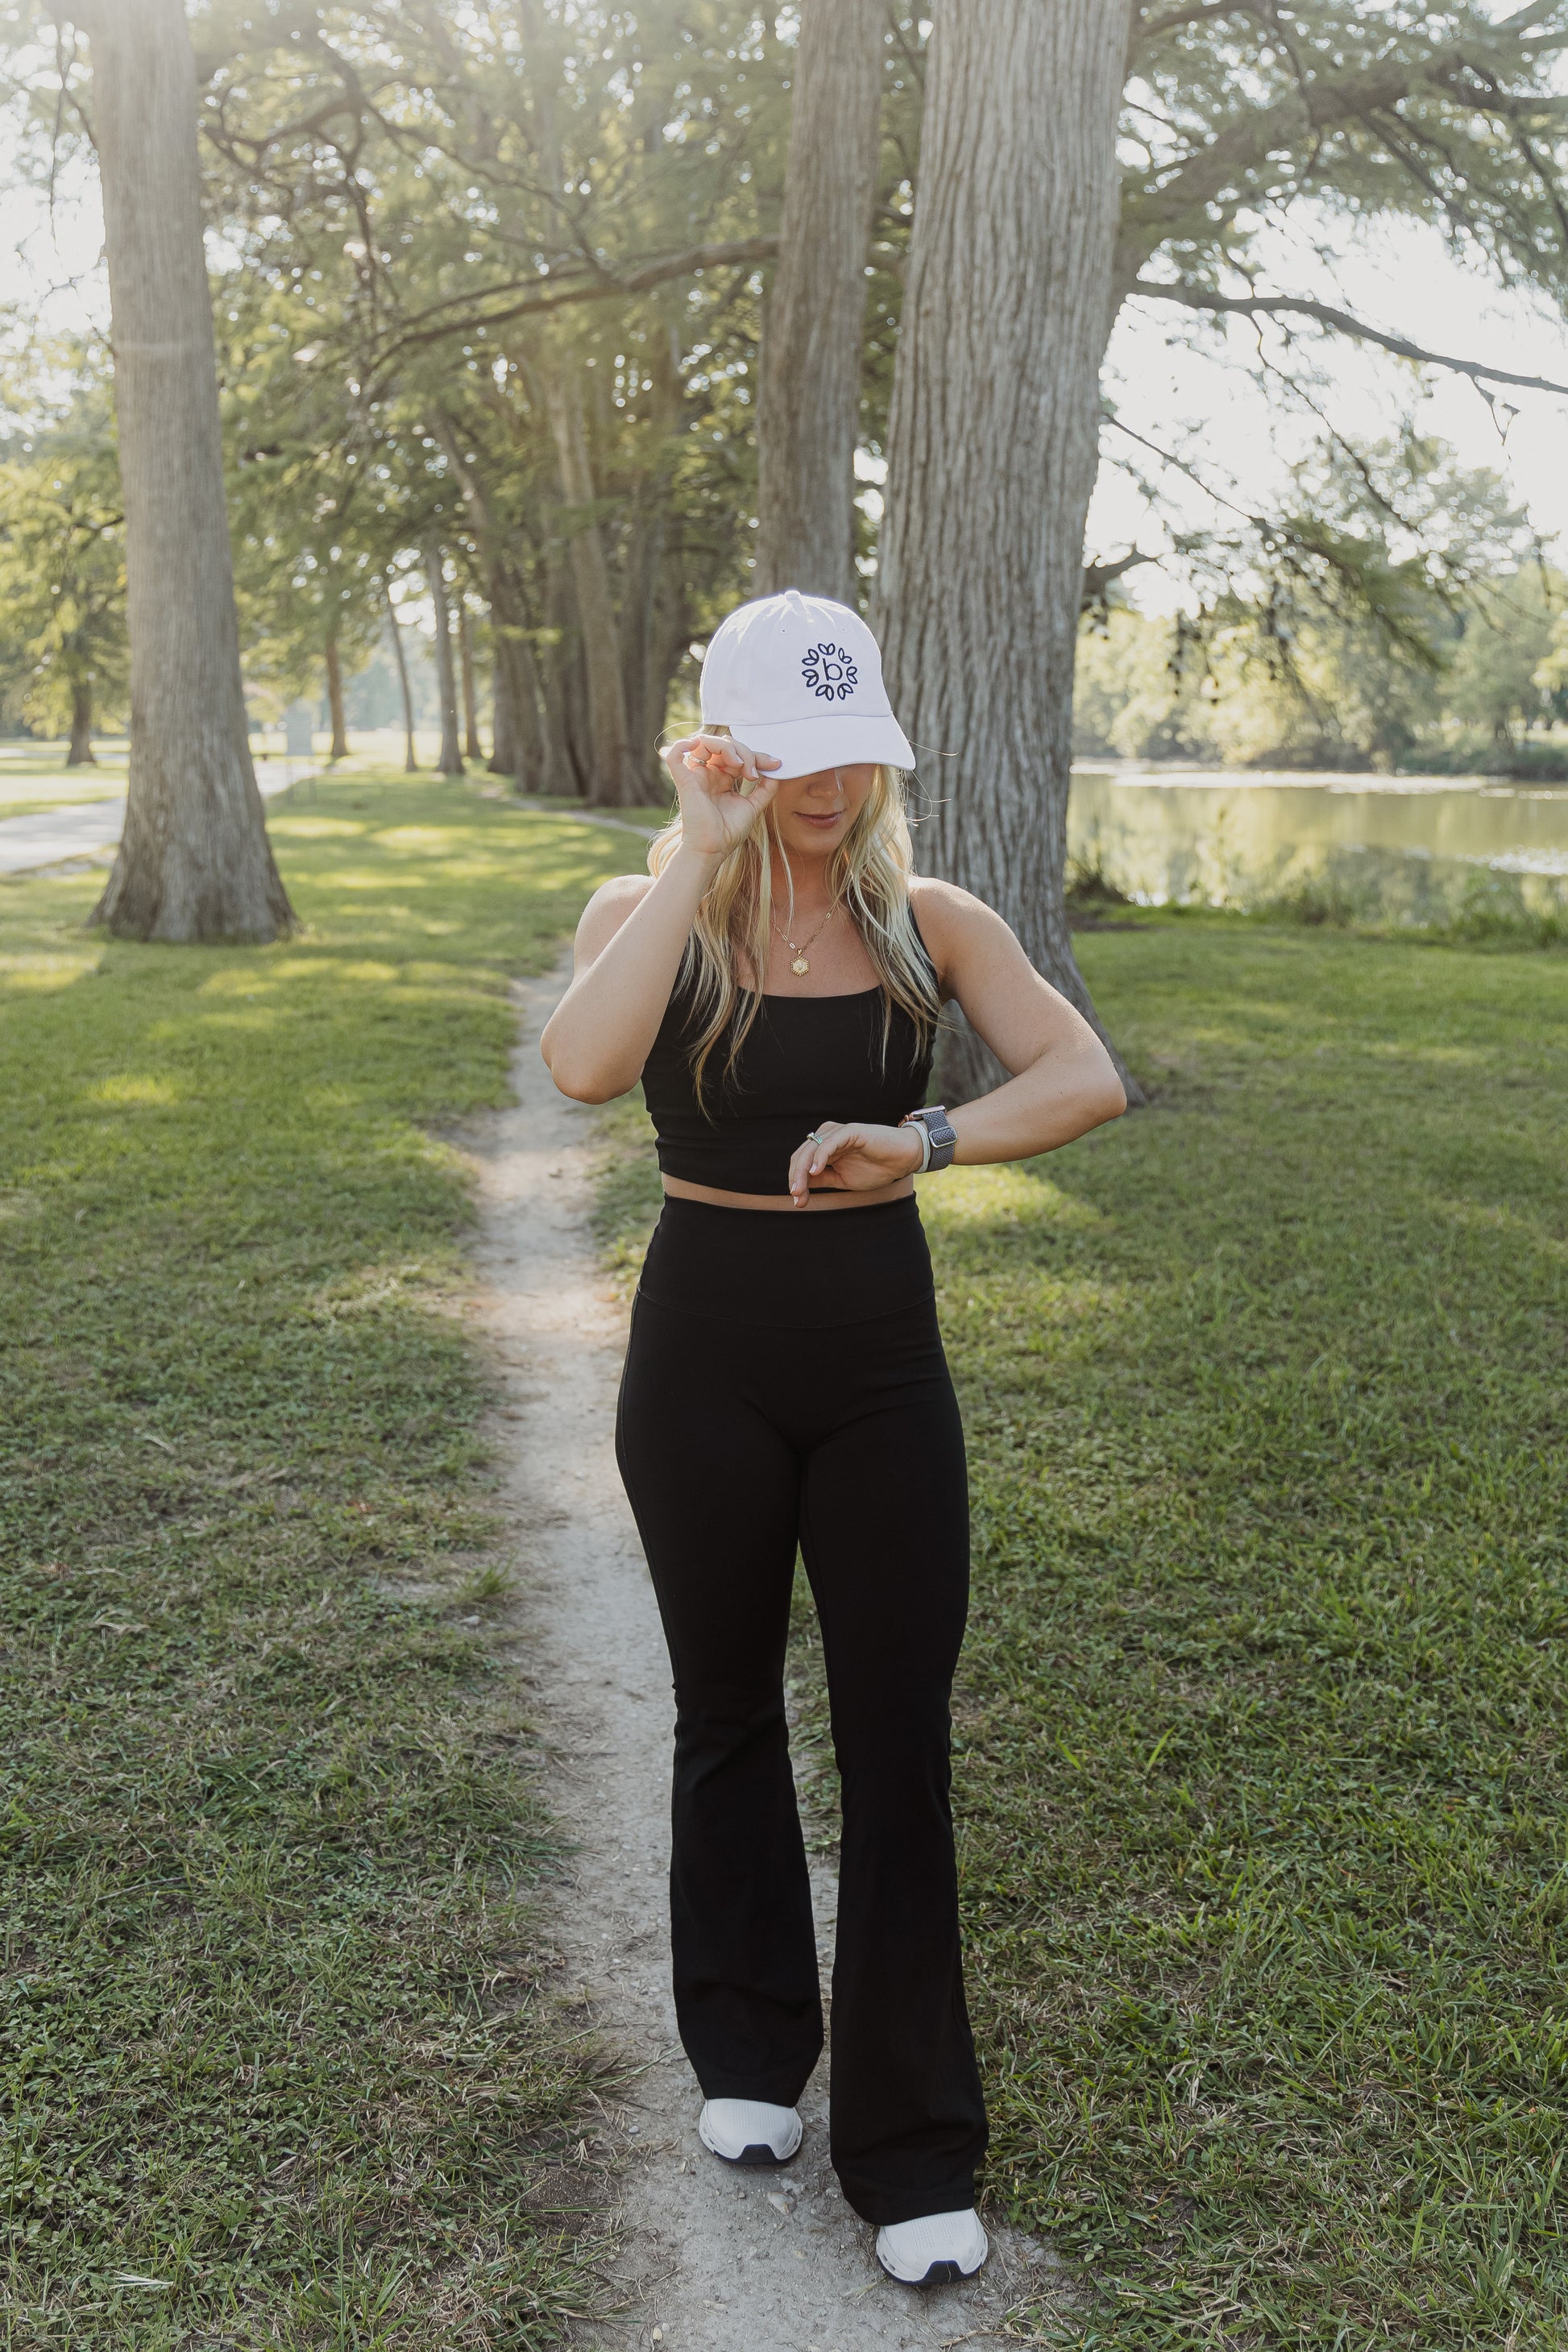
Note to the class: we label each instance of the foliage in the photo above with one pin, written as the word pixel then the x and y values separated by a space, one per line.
pixel 62 565
pixel 393 193
pixel 1253 131
pixel 1399 611
pixel 1261 1724
pixel 310 561
pixel 280 2059
pixel 1239 116
pixel 1500 679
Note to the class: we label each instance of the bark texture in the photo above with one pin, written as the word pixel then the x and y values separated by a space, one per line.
pixel 410 764
pixel 472 747
pixel 450 761
pixel 519 742
pixel 612 780
pixel 994 446
pixel 564 679
pixel 81 753
pixel 809 405
pixel 340 750
pixel 193 861
pixel 646 582
pixel 522 748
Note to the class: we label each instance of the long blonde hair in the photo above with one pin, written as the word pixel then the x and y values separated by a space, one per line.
pixel 869 873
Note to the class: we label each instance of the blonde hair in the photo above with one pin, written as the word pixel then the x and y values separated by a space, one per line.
pixel 869 873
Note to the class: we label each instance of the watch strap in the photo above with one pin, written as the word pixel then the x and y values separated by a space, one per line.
pixel 939 1139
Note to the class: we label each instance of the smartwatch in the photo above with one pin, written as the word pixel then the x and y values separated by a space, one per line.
pixel 938 1140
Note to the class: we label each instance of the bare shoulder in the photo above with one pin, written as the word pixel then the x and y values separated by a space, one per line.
pixel 954 924
pixel 606 911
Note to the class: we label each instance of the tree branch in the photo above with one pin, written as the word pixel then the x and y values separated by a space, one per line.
pixel 1098 577
pixel 1523 18
pixel 1254 306
pixel 549 294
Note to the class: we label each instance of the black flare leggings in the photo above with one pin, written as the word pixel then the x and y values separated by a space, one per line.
pixel 786 1385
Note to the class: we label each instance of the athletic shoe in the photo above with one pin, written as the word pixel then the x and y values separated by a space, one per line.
pixel 748 2131
pixel 938 2250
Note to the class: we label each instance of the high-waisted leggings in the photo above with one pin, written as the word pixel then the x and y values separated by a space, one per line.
pixel 786 1386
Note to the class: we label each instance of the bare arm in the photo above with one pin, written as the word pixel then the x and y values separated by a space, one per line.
pixel 634 931
pixel 1066 1082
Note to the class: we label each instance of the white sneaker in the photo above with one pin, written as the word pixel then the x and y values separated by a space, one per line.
pixel 936 2251
pixel 748 2131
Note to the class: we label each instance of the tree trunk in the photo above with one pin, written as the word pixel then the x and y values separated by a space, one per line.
pixel 525 756
pixel 506 753
pixel 194 862
pixel 81 753
pixel 639 592
pixel 410 764
pixel 671 634
pixel 518 748
pixel 993 446
pixel 472 747
pixel 808 410
pixel 451 759
pixel 340 750
pixel 612 781
pixel 565 684
pixel 647 535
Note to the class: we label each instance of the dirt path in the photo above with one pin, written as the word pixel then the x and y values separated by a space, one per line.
pixel 57 837
pixel 713 2261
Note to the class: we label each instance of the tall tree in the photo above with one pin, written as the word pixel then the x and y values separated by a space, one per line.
pixel 809 403
pixel 994 446
pixel 1235 119
pixel 614 780
pixel 334 665
pixel 410 764
pixel 194 862
pixel 450 761
pixel 472 747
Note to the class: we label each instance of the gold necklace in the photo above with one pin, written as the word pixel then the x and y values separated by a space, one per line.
pixel 800 963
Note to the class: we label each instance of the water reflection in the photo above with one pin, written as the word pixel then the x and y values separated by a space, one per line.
pixel 1401 849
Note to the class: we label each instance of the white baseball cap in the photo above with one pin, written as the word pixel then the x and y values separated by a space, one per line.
pixel 800 679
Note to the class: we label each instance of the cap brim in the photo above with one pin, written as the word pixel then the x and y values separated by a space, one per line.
pixel 833 740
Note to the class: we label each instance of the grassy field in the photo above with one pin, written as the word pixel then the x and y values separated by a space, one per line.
pixel 1261 1748
pixel 277 2062
pixel 1262 1718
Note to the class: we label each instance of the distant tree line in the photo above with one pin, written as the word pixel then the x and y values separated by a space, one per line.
pixel 1430 630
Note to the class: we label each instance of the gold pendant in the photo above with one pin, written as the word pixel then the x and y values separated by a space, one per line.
pixel 800 964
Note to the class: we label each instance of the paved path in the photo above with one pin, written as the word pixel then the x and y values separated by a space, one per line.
pixel 714 2261
pixel 83 828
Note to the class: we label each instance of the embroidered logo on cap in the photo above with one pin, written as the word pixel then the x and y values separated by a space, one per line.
pixel 829 672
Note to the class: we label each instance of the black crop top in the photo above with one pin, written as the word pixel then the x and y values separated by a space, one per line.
pixel 805 1059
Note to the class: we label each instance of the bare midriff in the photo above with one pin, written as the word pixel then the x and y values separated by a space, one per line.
pixel 679 1190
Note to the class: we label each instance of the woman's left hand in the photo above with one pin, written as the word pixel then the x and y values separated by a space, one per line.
pixel 852 1160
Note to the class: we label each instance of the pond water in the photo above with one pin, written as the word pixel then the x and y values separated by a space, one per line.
pixel 1395 848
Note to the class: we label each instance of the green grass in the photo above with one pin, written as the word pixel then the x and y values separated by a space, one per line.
pixel 279 2058
pixel 1261 1724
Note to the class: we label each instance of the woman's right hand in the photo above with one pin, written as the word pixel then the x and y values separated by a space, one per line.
pixel 722 791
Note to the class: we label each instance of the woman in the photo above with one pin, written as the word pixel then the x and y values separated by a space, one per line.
pixel 777 981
